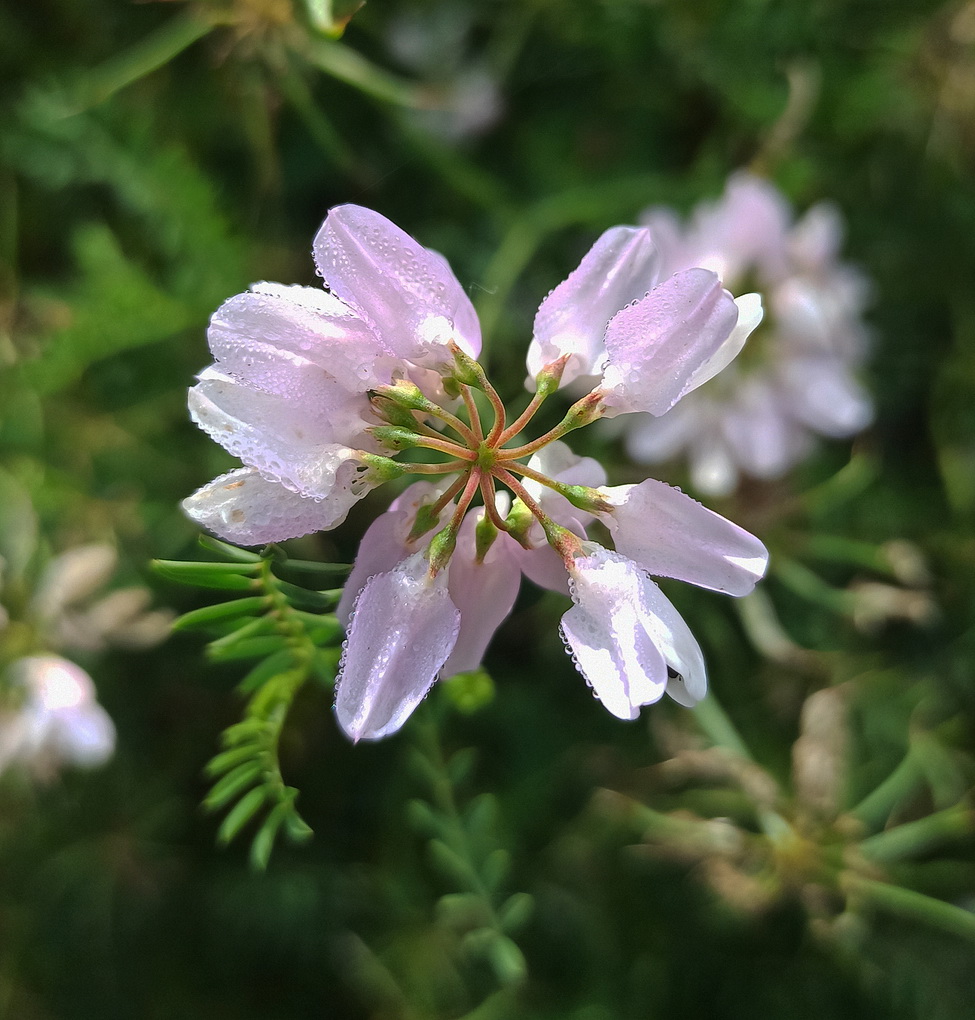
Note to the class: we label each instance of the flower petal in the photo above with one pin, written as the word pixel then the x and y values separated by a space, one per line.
pixel 655 346
pixel 403 628
pixel 246 508
pixel 607 632
pixel 306 322
pixel 750 315
pixel 292 440
pixel 484 593
pixel 670 534
pixel 621 267
pixel 407 293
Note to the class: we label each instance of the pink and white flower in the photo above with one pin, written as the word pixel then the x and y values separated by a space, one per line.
pixel 317 392
pixel 798 378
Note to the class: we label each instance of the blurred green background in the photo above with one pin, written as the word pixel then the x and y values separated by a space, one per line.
pixel 156 158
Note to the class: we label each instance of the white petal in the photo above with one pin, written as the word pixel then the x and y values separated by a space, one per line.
pixel 305 322
pixel 670 534
pixel 609 633
pixel 621 267
pixel 245 508
pixel 655 346
pixel 749 316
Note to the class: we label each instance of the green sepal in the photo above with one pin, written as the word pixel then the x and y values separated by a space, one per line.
pixel 241 813
pixel 442 547
pixel 222 611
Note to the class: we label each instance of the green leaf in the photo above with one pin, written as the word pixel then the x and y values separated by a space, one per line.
pixel 231 552
pixel 241 813
pixel 228 759
pixel 496 868
pixel 248 648
pixel 227 576
pixel 222 611
pixel 507 960
pixel 452 865
pixel 18 525
pixel 264 841
pixel 481 815
pixel 516 911
pixel 296 828
pixel 232 784
pixel 254 628
pixel 305 598
pixel 264 671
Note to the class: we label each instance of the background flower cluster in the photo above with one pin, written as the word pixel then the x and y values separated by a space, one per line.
pixel 802 844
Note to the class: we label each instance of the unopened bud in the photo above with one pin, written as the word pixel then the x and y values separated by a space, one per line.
pixel 395 437
pixel 466 369
pixel 585 498
pixel 519 522
pixel 441 549
pixel 392 412
pixel 547 381
pixel 485 533
pixel 424 521
pixel 381 469
pixel 585 411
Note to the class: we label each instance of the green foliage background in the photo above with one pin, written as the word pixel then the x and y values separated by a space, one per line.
pixel 156 158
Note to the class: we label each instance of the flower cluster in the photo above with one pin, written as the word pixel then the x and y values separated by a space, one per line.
pixel 797 379
pixel 317 391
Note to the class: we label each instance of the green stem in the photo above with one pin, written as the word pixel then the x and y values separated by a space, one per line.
pixel 875 808
pixel 154 51
pixel 914 838
pixel 349 66
pixel 914 905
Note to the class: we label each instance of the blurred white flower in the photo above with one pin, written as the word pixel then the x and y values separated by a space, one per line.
pixel 435 44
pixel 70 617
pixel 53 718
pixel 795 378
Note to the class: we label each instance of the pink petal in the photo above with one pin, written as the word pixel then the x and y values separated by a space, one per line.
pixel 656 345
pixel 307 323
pixel 621 267
pixel 245 508
pixel 408 294
pixel 670 534
pixel 403 628
pixel 484 593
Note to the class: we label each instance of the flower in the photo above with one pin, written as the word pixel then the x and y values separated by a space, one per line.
pixel 318 392
pixel 57 720
pixel 797 380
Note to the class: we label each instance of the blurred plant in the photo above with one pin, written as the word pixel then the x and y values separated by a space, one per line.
pixel 286 627
pixel 795 378
pixel 49 714
pixel 758 842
